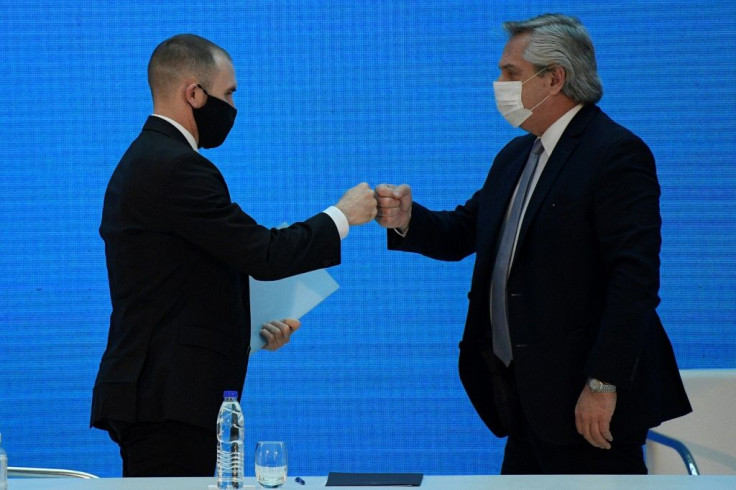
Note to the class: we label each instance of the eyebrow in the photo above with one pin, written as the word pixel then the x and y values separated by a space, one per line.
pixel 508 66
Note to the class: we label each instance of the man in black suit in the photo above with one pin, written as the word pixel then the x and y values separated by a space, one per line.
pixel 179 254
pixel 563 350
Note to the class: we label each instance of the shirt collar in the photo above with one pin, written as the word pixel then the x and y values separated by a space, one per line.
pixel 552 136
pixel 182 129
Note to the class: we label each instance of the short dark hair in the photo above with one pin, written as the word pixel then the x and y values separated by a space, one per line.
pixel 181 56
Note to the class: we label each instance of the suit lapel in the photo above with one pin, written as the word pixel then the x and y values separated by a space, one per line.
pixel 494 204
pixel 508 182
pixel 561 154
pixel 501 187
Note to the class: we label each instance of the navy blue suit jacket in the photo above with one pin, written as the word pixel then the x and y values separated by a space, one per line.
pixel 583 288
pixel 179 254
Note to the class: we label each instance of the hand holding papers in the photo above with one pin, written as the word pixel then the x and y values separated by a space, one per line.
pixel 291 297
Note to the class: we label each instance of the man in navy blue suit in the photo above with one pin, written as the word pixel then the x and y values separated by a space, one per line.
pixel 179 253
pixel 563 350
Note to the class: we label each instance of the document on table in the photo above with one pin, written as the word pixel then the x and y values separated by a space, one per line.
pixel 291 297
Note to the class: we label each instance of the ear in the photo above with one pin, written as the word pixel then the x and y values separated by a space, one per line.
pixel 194 95
pixel 557 79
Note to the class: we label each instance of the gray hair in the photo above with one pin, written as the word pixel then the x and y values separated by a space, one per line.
pixel 559 40
pixel 182 56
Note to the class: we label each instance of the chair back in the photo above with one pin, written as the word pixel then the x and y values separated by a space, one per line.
pixel 709 432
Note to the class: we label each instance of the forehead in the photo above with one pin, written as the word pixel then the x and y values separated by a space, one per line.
pixel 513 54
pixel 225 74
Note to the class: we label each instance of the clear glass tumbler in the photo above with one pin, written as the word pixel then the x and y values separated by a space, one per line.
pixel 271 463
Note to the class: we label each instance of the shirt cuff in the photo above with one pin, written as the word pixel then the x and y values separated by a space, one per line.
pixel 341 222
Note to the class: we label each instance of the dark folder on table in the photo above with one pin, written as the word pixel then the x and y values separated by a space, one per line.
pixel 373 479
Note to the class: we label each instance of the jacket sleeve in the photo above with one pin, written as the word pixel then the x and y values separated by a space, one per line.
pixel 441 235
pixel 197 206
pixel 628 224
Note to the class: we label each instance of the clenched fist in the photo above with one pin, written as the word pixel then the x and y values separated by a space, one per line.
pixel 394 206
pixel 358 204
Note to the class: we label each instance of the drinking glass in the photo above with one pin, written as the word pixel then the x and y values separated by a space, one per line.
pixel 271 463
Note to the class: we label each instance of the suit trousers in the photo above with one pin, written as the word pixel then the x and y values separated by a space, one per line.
pixel 528 454
pixel 167 448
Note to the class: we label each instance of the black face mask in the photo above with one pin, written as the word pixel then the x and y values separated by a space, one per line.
pixel 214 121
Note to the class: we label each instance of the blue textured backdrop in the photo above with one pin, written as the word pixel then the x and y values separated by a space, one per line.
pixel 332 93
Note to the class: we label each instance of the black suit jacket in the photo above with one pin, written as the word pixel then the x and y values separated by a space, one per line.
pixel 179 254
pixel 583 288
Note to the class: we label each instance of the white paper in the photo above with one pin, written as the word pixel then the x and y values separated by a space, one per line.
pixel 291 297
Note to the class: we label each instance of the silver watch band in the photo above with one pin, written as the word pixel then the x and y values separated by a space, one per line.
pixel 598 386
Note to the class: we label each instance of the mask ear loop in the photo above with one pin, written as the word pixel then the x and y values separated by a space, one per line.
pixel 203 90
pixel 540 71
pixel 541 101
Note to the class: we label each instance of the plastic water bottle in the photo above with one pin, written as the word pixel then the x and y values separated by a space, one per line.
pixel 3 467
pixel 230 443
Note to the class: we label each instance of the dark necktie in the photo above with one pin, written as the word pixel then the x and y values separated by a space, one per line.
pixel 500 327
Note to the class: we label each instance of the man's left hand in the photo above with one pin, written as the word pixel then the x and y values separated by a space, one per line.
pixel 593 415
pixel 278 333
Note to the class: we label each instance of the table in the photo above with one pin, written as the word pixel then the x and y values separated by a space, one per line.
pixel 465 482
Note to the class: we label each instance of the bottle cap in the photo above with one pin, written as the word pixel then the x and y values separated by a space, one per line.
pixel 231 394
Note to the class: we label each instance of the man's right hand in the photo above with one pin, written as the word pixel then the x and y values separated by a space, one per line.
pixel 358 204
pixel 394 206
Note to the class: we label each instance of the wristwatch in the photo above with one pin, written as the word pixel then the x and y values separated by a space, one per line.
pixel 598 386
